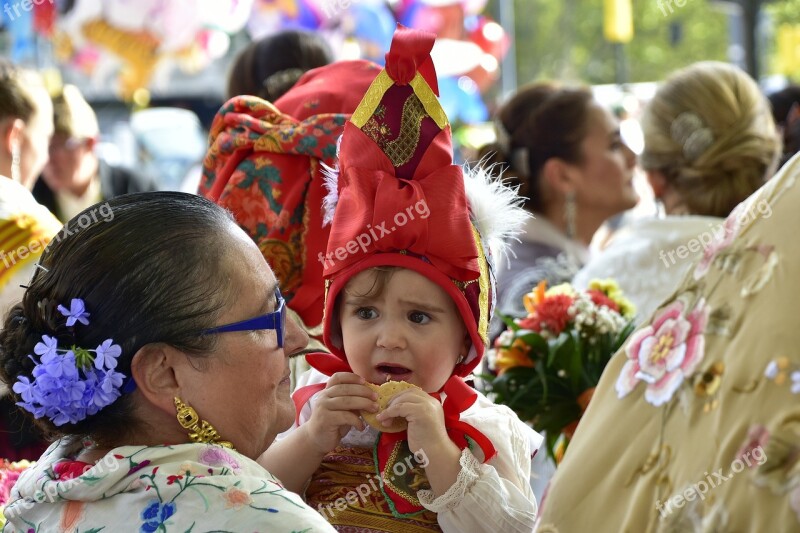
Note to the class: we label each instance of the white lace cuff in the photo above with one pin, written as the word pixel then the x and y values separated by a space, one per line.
pixel 467 476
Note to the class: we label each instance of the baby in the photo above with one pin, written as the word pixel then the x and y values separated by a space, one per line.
pixel 410 303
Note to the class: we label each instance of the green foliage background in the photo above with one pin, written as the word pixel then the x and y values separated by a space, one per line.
pixel 563 39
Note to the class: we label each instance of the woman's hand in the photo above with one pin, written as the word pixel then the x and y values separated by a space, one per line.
pixel 427 435
pixel 336 410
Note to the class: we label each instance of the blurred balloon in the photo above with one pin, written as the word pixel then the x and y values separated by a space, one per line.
pixel 130 41
pixel 488 34
pixel 372 25
pixel 461 100
pixel 270 16
pixel 23 38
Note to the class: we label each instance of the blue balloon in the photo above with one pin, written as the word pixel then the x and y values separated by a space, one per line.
pixel 461 100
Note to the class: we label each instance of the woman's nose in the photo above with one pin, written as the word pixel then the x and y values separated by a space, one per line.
pixel 630 156
pixel 295 338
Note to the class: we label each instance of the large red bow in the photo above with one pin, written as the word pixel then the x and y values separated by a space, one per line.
pixel 378 212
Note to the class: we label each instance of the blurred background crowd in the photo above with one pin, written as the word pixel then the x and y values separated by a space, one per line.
pixel 155 72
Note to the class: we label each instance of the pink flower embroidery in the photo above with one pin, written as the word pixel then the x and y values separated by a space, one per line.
pixel 794 501
pixel 723 237
pixel 753 447
pixel 665 352
pixel 216 456
pixel 236 498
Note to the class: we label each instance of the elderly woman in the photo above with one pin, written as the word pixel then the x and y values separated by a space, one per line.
pixel 162 370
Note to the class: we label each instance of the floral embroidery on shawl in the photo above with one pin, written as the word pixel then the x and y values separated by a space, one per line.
pixel 665 352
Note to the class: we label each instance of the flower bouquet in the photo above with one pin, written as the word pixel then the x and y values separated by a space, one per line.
pixel 549 362
pixel 9 472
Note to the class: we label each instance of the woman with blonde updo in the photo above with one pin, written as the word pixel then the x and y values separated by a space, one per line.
pixel 710 142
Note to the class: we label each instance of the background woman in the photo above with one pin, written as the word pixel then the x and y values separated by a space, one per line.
pixel 565 152
pixel 710 142
pixel 269 67
pixel 26 227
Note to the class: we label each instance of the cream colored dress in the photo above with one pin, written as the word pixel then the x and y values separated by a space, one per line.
pixel 695 425
pixel 649 258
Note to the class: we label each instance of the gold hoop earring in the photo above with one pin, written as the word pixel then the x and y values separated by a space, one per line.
pixel 199 430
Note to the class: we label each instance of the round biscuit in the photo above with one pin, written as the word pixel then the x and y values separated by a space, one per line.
pixel 386 392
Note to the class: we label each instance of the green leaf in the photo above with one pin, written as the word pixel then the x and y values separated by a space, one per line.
pixel 509 321
pixel 537 343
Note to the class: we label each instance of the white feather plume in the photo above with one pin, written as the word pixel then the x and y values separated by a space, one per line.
pixel 330 175
pixel 496 208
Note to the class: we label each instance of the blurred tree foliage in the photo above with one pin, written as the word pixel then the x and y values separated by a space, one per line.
pixel 785 50
pixel 563 39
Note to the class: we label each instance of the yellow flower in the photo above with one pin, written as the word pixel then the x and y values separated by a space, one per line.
pixel 191 469
pixel 610 288
pixel 515 355
pixel 607 286
pixel 563 288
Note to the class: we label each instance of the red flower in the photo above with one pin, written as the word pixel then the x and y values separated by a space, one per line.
pixel 554 313
pixel 601 299
pixel 531 322
pixel 173 479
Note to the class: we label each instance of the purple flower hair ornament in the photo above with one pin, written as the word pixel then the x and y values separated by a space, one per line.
pixel 75 313
pixel 70 384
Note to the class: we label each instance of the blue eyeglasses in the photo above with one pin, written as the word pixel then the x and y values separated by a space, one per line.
pixel 275 320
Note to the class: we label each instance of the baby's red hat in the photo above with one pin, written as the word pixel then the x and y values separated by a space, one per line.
pixel 396 158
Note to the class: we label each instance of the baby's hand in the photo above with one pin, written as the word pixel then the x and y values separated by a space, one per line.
pixel 427 434
pixel 336 410
pixel 425 417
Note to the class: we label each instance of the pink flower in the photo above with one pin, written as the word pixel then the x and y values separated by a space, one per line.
pixel 794 501
pixel 9 473
pixel 216 456
pixel 757 438
pixel 723 237
pixel 665 352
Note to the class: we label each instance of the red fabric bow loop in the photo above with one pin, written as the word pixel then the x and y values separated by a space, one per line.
pixel 410 51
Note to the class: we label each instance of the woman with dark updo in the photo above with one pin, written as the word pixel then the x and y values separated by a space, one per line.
pixel 153 346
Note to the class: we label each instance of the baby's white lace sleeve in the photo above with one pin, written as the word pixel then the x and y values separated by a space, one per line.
pixel 470 470
pixel 491 497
